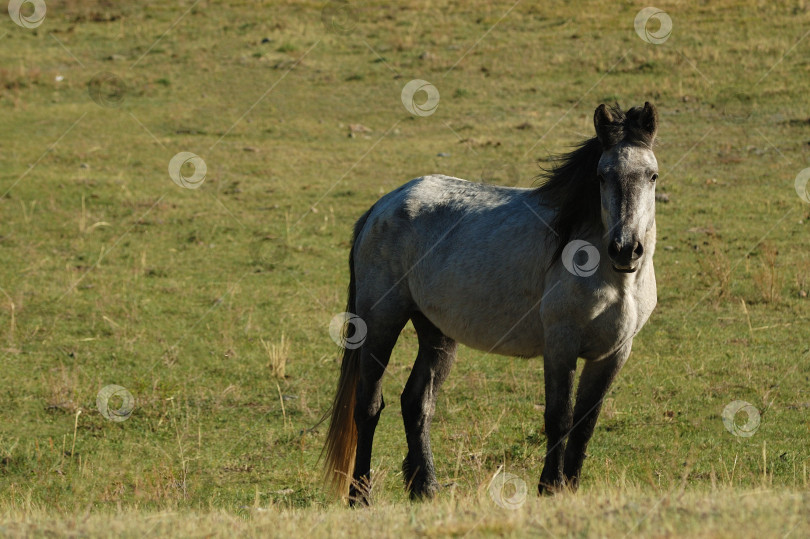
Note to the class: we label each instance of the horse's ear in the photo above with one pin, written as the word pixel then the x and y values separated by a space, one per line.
pixel 648 121
pixel 602 121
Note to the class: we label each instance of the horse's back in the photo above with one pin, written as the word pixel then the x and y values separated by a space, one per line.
pixel 430 203
pixel 469 256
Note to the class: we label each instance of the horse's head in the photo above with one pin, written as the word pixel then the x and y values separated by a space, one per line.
pixel 627 173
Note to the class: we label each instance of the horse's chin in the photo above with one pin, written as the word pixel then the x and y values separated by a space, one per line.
pixel 628 269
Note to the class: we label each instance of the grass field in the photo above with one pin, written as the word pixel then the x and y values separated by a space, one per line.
pixel 211 306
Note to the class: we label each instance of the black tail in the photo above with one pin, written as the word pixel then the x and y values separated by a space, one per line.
pixel 341 438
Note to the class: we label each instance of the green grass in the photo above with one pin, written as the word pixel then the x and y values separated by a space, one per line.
pixel 607 511
pixel 112 274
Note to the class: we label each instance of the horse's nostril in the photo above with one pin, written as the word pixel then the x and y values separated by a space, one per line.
pixel 614 248
pixel 638 250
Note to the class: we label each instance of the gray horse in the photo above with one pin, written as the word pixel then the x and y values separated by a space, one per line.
pixel 564 271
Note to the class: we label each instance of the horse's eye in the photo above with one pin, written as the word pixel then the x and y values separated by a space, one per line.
pixel 654 177
pixel 601 178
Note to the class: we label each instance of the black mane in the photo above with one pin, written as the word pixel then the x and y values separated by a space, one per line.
pixel 571 186
pixel 572 189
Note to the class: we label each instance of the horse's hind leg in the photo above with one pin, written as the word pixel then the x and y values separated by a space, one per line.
pixel 433 363
pixel 383 331
pixel 594 383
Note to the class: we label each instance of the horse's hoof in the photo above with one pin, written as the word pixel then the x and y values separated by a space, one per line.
pixel 425 491
pixel 358 498
pixel 358 501
pixel 548 489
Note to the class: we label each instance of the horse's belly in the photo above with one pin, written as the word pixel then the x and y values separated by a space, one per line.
pixel 491 331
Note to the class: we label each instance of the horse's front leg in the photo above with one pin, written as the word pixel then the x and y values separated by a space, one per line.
pixel 559 364
pixel 594 383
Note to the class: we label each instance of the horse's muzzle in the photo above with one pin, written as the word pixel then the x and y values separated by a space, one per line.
pixel 625 255
pixel 624 270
